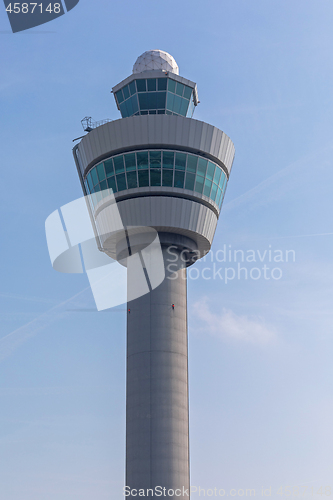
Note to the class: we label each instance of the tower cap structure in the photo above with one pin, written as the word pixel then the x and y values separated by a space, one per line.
pixel 166 170
pixel 155 60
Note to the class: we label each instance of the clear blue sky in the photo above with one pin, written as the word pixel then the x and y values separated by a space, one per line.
pixel 261 385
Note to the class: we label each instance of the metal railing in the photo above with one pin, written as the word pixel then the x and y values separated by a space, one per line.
pixel 89 124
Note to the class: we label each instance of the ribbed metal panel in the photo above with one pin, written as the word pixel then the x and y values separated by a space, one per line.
pixel 157 426
pixel 159 131
pixel 166 214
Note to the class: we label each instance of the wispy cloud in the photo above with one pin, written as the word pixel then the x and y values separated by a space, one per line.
pixel 253 192
pixel 227 325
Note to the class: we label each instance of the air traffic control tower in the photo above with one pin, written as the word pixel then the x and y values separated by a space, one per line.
pixel 168 172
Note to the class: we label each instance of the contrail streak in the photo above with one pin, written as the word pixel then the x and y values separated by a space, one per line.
pixel 17 337
pixel 26 297
pixel 248 195
pixel 298 236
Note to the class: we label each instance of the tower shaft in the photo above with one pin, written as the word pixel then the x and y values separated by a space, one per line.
pixel 157 422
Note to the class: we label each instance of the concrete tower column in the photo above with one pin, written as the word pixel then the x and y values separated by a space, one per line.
pixel 157 422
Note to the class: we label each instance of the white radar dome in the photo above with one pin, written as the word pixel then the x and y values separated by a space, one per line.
pixel 155 59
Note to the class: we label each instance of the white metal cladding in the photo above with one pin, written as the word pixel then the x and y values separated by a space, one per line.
pixel 160 131
pixel 154 74
pixel 157 190
pixel 165 214
pixel 155 59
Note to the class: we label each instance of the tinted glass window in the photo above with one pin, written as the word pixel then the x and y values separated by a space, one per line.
pixel 143 100
pixel 143 178
pixel 112 184
pixel 121 182
pixel 190 108
pixel 217 175
pixel 142 159
pixel 130 161
pixel 180 161
pixel 176 101
pixel 143 168
pixel 207 188
pixel 151 84
pixel 94 176
pixel 199 185
pixel 179 179
pixel 161 100
pixel 126 92
pixel 161 83
pixel 190 179
pixel 132 88
pixel 119 96
pixel 103 185
pixel 123 110
pixel 129 106
pixel 171 85
pixel 167 178
pixel 90 183
pixel 210 170
pixel 192 163
pixel 141 85
pixel 177 104
pixel 213 192
pixel 187 92
pixel 218 196
pixel 118 164
pixel 152 100
pixel 134 102
pixel 222 180
pixel 100 172
pixel 131 180
pixel 168 158
pixel 179 88
pixel 108 164
pixel 170 101
pixel 155 159
pixel 202 166
pixel 183 107
pixel 155 177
